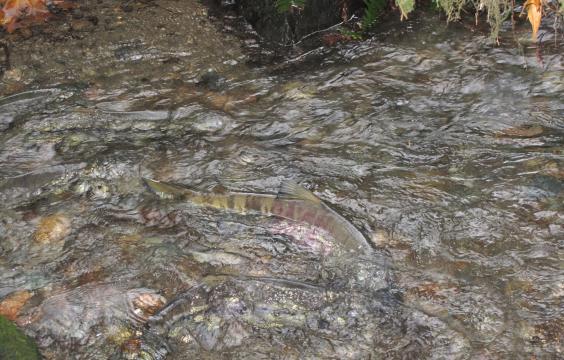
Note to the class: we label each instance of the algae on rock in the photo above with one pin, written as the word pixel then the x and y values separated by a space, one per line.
pixel 14 344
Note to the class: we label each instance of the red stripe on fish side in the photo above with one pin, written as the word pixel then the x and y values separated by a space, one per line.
pixel 290 210
pixel 284 209
pixel 308 216
pixel 278 208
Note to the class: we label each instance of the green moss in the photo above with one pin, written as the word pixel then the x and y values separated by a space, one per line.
pixel 14 344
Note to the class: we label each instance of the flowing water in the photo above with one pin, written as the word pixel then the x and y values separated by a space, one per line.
pixel 445 151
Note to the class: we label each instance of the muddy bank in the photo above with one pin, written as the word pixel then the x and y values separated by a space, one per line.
pixel 109 42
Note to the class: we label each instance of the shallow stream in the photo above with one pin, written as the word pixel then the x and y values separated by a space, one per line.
pixel 444 150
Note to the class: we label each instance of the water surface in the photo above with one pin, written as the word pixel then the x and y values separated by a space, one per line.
pixel 444 150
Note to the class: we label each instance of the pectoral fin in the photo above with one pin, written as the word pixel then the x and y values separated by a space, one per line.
pixel 291 190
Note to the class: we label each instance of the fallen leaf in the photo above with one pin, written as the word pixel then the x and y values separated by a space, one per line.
pixel 15 10
pixel 406 6
pixel 534 14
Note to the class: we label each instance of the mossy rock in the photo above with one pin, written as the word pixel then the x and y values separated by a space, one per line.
pixel 14 344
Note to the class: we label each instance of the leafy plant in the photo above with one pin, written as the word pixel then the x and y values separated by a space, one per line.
pixel 372 11
pixel 452 8
pixel 286 5
pixel 405 6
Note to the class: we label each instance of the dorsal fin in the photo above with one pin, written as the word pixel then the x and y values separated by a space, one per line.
pixel 291 190
pixel 219 189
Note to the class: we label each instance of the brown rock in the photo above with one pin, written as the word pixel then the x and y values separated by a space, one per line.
pixel 53 228
pixel 149 304
pixel 131 346
pixel 524 131
pixel 81 25
pixel 552 169
pixel 10 306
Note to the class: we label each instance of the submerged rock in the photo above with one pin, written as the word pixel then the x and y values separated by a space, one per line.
pixel 72 316
pixel 52 229
pixel 10 306
pixel 242 316
pixel 217 258
pixel 524 131
pixel 211 80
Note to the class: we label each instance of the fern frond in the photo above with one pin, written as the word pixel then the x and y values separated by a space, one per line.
pixel 285 5
pixel 373 9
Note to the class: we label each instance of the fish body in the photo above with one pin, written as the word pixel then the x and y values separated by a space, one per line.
pixel 293 203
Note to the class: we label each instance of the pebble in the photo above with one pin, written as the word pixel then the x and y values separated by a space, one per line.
pixel 51 229
pixel 148 304
pixel 81 25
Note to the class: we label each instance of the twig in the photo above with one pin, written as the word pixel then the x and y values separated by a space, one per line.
pixel 513 15
pixel 4 46
pixel 322 30
pixel 538 50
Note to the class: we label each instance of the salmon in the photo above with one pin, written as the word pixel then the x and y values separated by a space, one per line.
pixel 293 202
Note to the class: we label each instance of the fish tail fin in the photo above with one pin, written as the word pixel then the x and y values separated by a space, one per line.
pixel 166 190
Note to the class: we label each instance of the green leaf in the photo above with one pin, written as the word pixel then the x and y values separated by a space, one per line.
pixel 372 10
pixel 285 5
pixel 406 6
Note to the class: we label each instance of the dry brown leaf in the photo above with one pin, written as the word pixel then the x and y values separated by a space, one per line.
pixel 534 14
pixel 15 10
pixel 15 13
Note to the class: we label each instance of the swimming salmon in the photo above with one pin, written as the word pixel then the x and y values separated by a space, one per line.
pixel 293 203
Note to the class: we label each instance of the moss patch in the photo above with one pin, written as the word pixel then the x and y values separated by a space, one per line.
pixel 14 344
